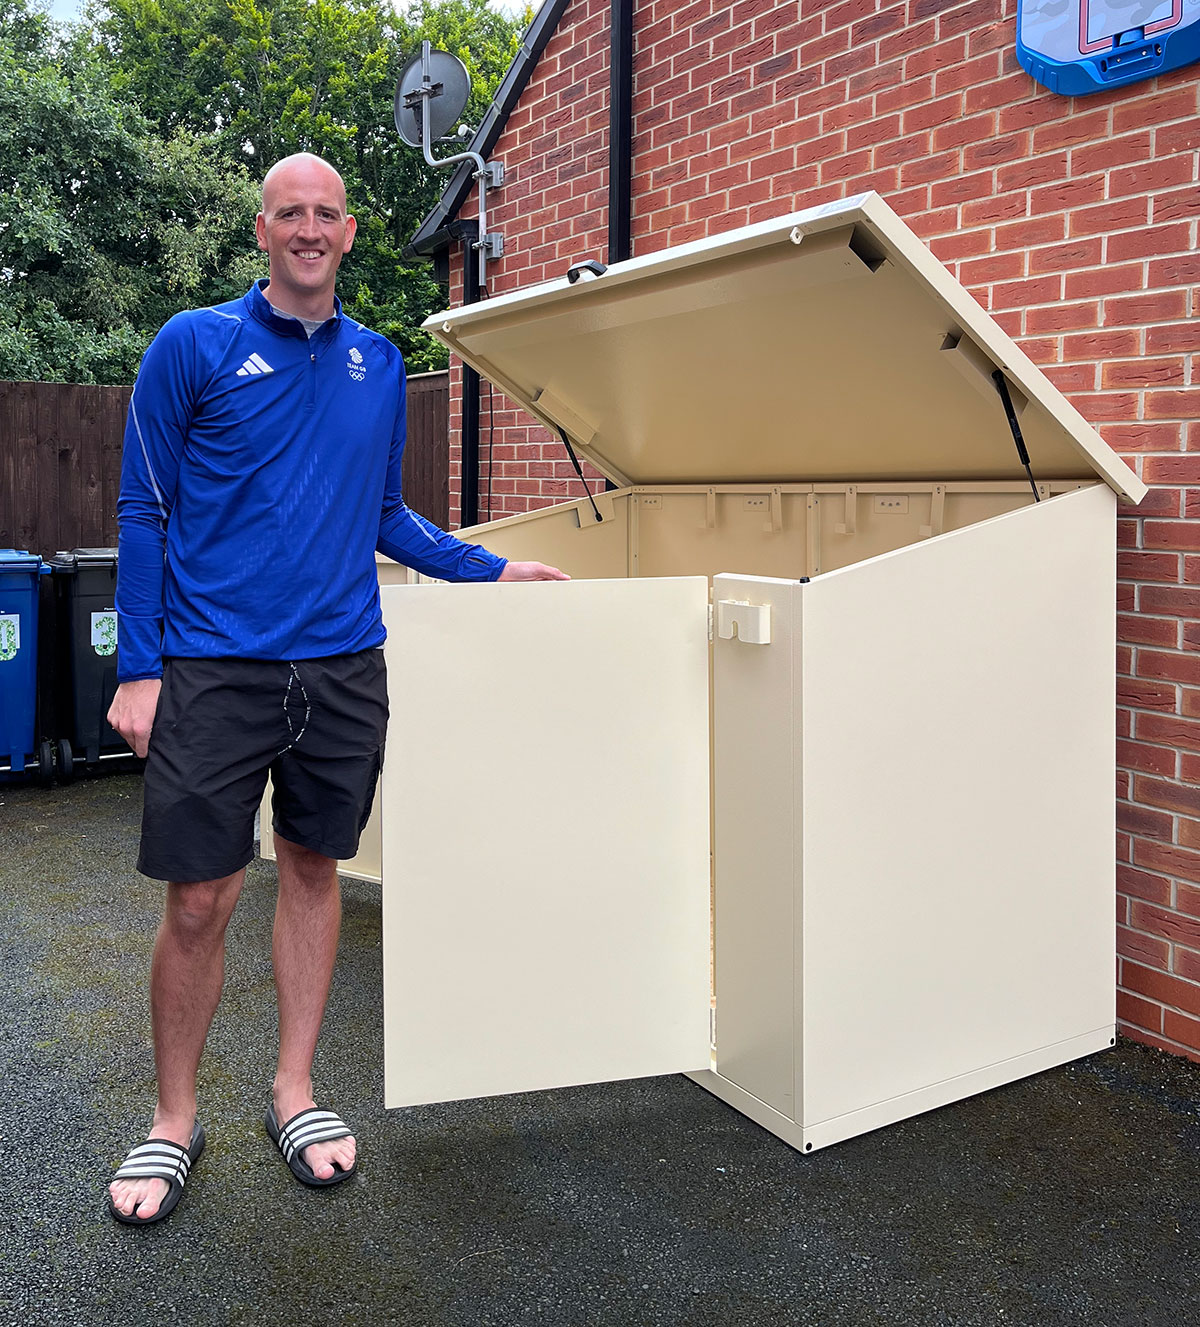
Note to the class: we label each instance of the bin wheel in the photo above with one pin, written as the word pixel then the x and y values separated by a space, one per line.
pixel 45 766
pixel 66 761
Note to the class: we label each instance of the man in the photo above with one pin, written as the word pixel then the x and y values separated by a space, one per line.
pixel 261 472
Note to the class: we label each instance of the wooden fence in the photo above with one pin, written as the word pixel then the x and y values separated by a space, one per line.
pixel 60 461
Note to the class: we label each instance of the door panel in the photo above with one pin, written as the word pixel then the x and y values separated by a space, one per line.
pixel 545 835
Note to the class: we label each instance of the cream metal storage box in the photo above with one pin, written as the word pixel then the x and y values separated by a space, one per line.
pixel 885 740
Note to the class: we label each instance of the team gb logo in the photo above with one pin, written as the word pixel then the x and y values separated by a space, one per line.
pixel 357 372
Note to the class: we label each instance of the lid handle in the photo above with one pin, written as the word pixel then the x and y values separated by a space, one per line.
pixel 588 270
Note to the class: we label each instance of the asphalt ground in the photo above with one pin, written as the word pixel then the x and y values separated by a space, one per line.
pixel 1069 1197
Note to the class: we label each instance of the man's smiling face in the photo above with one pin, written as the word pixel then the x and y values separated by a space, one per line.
pixel 305 230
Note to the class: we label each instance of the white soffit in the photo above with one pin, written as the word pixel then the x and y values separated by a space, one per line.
pixel 827 345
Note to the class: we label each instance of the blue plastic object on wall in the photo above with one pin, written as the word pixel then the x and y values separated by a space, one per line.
pixel 1074 47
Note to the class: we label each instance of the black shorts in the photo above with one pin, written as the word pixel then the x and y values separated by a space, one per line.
pixel 316 725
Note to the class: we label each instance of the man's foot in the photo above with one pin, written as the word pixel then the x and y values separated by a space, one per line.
pixel 150 1180
pixel 294 1118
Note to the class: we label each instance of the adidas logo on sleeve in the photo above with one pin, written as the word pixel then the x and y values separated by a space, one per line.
pixel 254 366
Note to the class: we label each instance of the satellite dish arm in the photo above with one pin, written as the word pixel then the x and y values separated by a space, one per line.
pixel 489 245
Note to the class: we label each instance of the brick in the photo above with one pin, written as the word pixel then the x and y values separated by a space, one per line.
pixel 1153 307
pixel 1189 771
pixel 1068 257
pixel 1122 214
pixel 1169 730
pixel 1145 822
pixel 1066 195
pixel 1149 242
pixel 1027 174
pixel 908 93
pixel 1171 534
pixel 1071 378
pixel 1098 345
pixel 1145 373
pixel 1181 338
pixel 1141 566
pixel 1171 469
pixel 1168 796
pixel 1137 112
pixel 1141 884
pixel 933 57
pixel 1087 128
pixel 1138 629
pixel 1179 403
pixel 993 267
pixel 962 188
pixel 972 129
pixel 1147 759
pixel 986 211
pixel 1132 1009
pixel 1160 986
pixel 1104 281
pixel 967 73
pixel 1152 950
pixel 1178 1027
pixel 992 152
pixel 1143 694
pixel 1173 206
pixel 1151 177
pixel 1160 1043
pixel 1189 830
pixel 1107 153
pixel 1031 232
pixel 1188 900
pixel 1172 138
pixel 931 114
pixel 1186 964
pixel 996 92
pixel 1170 925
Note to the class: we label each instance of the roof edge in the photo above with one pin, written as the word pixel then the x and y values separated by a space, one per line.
pixel 434 232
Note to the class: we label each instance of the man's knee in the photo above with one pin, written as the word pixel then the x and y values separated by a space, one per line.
pixel 201 911
pixel 302 867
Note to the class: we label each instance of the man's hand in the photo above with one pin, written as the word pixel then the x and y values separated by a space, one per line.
pixel 532 571
pixel 132 712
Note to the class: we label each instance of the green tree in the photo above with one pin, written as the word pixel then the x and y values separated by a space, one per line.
pixel 105 230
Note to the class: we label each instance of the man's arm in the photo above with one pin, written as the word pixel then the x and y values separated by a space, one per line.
pixel 410 539
pixel 160 412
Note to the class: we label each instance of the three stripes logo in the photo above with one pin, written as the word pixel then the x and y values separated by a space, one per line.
pixel 254 366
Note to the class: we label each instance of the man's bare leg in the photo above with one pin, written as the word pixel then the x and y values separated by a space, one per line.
pixel 186 976
pixel 308 915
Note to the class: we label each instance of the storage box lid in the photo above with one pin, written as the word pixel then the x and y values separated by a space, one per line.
pixel 83 557
pixel 827 345
pixel 15 559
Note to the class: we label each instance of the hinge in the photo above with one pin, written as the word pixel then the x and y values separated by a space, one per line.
pixel 710 623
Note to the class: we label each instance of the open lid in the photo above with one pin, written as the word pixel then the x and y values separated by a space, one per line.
pixel 828 345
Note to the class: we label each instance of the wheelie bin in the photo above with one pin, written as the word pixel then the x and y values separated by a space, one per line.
pixel 19 572
pixel 85 584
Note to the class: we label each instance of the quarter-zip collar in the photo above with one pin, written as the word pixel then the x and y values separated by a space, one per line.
pixel 260 309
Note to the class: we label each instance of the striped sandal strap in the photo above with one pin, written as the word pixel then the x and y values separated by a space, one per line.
pixel 308 1127
pixel 155 1159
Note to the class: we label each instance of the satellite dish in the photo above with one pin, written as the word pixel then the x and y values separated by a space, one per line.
pixel 443 85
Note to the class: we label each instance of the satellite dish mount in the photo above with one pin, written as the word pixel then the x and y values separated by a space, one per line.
pixel 431 94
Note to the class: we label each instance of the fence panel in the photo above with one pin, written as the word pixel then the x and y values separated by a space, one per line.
pixel 60 460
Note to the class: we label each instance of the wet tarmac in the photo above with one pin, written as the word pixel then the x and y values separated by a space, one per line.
pixel 1069 1197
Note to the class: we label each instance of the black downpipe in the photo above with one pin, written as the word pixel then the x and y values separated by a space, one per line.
pixel 468 512
pixel 620 133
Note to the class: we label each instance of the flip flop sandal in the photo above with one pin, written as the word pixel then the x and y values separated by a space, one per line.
pixel 301 1131
pixel 158 1159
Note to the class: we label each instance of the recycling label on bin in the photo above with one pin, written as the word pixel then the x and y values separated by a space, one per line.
pixel 104 633
pixel 10 636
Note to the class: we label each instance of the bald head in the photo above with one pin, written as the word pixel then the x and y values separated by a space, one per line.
pixel 305 230
pixel 300 170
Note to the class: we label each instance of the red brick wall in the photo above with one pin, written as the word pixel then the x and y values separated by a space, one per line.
pixel 1072 221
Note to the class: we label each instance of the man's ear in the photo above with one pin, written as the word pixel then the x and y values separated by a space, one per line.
pixel 260 231
pixel 351 231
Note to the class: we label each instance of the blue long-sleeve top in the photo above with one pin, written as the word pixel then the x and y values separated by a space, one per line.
pixel 261 471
